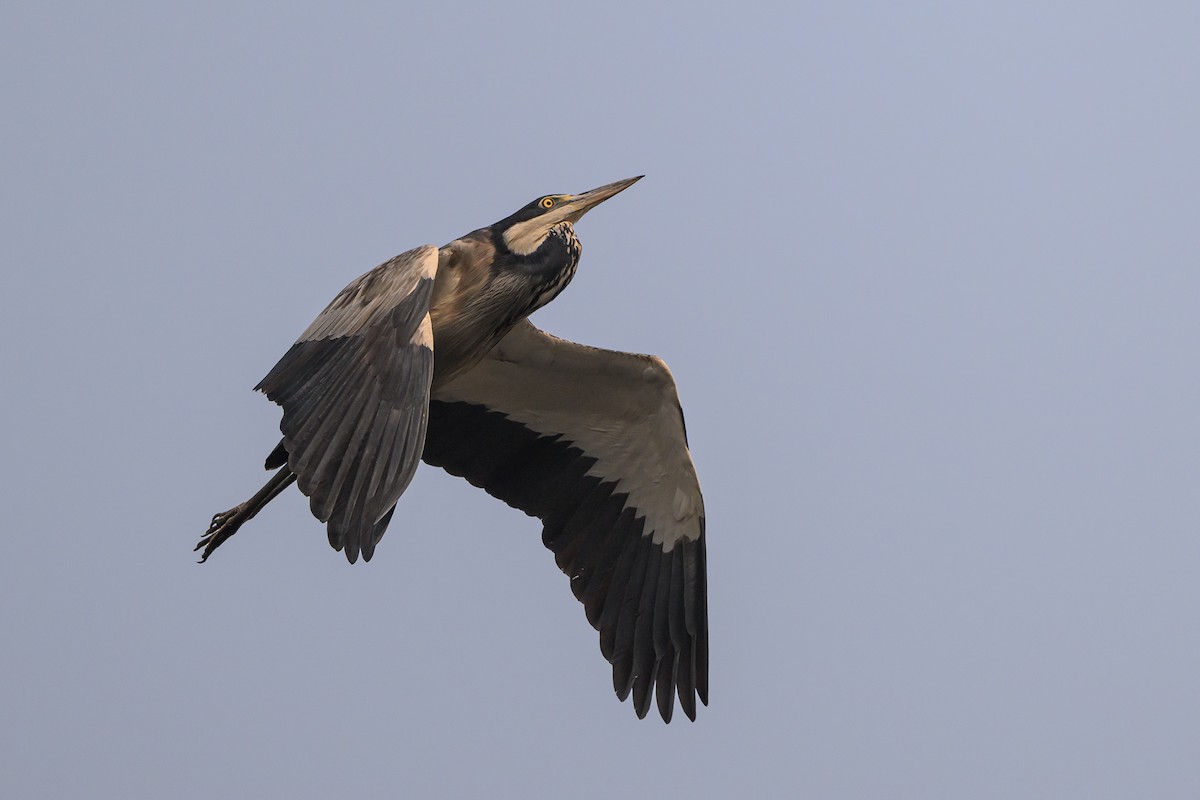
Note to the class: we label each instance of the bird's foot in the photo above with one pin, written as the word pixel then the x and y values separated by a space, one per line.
pixel 223 526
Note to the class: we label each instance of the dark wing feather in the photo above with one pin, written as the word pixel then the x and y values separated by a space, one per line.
pixel 355 391
pixel 592 442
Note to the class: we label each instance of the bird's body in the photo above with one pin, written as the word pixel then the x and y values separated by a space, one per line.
pixel 430 357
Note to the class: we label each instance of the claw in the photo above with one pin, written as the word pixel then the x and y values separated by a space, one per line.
pixel 226 523
pixel 223 525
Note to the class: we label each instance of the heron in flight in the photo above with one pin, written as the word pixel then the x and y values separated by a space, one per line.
pixel 430 356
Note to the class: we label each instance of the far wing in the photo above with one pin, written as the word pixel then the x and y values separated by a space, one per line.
pixel 355 390
pixel 592 442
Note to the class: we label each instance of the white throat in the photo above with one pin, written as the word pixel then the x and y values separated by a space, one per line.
pixel 526 237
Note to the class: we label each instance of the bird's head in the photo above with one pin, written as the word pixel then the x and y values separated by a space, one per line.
pixel 526 230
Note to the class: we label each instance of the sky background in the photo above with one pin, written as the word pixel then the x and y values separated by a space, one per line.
pixel 927 276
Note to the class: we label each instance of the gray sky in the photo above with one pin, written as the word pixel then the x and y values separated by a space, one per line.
pixel 926 274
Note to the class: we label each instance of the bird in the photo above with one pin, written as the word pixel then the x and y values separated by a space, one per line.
pixel 431 357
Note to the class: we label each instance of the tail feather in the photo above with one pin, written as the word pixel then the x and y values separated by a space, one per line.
pixel 278 457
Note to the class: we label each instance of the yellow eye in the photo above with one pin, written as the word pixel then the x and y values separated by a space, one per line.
pixel 547 202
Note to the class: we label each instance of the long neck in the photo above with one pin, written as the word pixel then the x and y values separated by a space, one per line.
pixel 471 316
pixel 549 268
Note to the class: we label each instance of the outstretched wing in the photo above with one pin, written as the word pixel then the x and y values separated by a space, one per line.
pixel 592 442
pixel 355 392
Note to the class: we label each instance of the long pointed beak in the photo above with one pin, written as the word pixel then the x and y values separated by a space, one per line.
pixel 580 204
